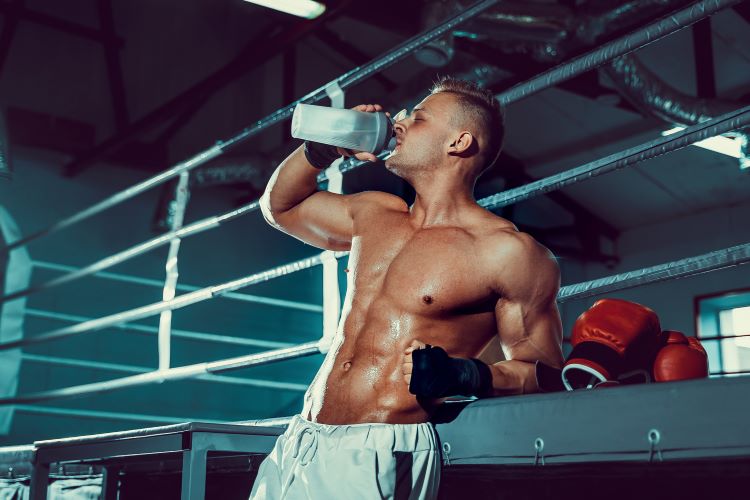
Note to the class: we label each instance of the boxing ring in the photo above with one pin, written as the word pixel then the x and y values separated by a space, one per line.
pixel 589 427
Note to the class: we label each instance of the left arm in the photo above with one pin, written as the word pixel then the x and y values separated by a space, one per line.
pixel 528 322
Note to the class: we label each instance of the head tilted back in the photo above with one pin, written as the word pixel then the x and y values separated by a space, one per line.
pixel 482 111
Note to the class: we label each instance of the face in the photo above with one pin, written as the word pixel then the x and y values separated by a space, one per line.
pixel 422 136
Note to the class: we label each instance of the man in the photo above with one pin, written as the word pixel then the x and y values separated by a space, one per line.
pixel 429 286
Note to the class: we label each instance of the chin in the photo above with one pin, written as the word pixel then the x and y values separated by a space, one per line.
pixel 391 163
pixel 393 166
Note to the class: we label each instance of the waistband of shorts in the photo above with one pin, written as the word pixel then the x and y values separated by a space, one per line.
pixel 397 437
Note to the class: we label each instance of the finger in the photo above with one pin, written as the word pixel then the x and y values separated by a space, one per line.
pixel 366 157
pixel 417 344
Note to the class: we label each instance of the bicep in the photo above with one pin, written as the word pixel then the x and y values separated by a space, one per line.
pixel 530 332
pixel 528 320
pixel 323 220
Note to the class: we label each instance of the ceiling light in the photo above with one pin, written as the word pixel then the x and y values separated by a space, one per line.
pixel 719 144
pixel 308 9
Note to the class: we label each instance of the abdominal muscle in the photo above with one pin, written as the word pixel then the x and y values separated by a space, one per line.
pixel 350 398
pixel 361 379
pixel 363 387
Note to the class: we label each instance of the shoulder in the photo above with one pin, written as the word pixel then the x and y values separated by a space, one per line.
pixel 498 238
pixel 513 244
pixel 376 200
pixel 518 260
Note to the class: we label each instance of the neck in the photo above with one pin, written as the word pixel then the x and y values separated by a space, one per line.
pixel 441 201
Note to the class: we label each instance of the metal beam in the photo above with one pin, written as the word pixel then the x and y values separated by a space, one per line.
pixel 703 52
pixel 62 25
pixel 352 53
pixel 255 53
pixel 114 70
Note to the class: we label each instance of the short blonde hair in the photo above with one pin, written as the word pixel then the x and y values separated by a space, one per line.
pixel 482 107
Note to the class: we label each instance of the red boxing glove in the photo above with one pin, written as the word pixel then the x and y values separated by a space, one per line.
pixel 681 358
pixel 605 338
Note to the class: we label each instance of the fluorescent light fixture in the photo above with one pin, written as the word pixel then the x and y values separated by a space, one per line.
pixel 308 9
pixel 719 144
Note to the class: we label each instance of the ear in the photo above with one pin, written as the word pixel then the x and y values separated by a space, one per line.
pixel 461 144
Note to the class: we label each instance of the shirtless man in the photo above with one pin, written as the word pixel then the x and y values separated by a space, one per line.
pixel 443 272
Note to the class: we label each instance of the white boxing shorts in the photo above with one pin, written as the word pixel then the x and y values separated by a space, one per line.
pixel 362 461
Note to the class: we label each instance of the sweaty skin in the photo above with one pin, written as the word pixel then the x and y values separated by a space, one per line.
pixel 444 272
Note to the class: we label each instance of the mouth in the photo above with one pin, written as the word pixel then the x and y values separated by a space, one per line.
pixel 395 143
pixel 393 151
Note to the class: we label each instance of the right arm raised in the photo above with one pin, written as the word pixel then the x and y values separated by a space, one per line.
pixel 292 203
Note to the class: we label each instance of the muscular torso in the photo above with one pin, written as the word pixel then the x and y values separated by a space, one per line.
pixel 404 283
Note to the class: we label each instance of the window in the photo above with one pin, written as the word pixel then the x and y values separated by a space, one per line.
pixel 723 325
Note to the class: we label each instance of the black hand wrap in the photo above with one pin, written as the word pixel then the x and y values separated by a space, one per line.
pixel 320 155
pixel 437 375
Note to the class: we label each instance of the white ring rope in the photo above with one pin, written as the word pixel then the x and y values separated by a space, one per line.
pixel 182 287
pixel 711 128
pixel 136 250
pixel 176 303
pixel 712 261
pixel 157 376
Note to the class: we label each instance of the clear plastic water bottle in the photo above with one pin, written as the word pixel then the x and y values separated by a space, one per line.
pixel 344 128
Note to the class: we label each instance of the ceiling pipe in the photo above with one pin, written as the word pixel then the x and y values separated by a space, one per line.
pixel 648 92
pixel 546 32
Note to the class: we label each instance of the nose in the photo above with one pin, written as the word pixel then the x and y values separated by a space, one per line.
pixel 398 122
pixel 399 128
